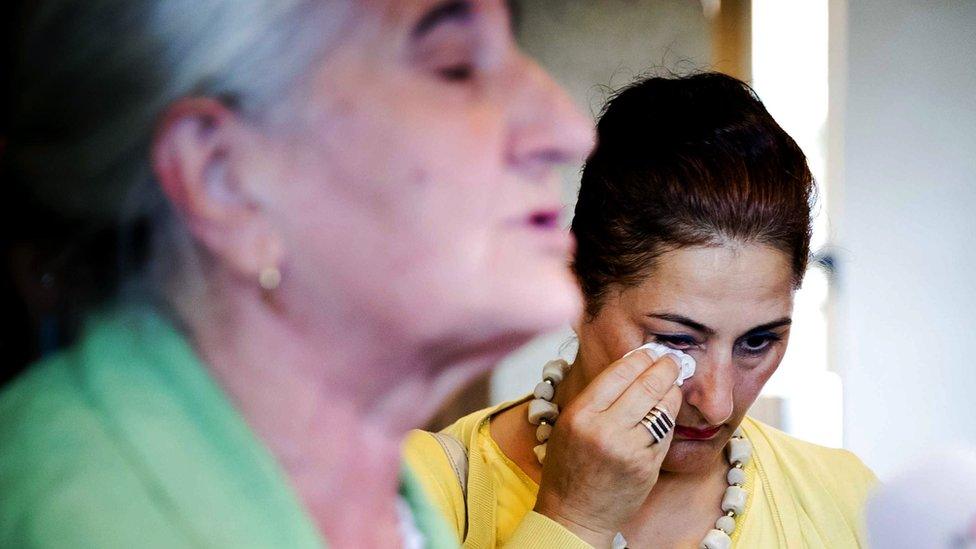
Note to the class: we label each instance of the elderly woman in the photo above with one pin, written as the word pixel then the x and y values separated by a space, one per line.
pixel 325 215
pixel 693 227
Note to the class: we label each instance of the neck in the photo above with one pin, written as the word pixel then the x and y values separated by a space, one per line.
pixel 573 384
pixel 331 403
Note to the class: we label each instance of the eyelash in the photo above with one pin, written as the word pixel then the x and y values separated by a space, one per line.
pixel 687 343
pixel 768 339
pixel 677 342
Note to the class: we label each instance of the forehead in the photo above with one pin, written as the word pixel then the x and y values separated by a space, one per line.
pixel 391 14
pixel 705 282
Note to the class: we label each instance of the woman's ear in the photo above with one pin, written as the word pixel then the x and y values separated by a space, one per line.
pixel 198 157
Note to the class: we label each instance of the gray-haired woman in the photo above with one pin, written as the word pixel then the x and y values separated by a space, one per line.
pixel 329 214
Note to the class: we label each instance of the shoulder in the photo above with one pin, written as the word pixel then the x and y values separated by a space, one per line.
pixel 45 422
pixel 427 459
pixel 810 467
pixel 423 449
pixel 61 473
pixel 420 443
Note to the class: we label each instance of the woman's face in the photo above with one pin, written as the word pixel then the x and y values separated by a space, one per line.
pixel 415 190
pixel 727 306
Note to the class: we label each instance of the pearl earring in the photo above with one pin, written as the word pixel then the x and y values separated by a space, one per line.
pixel 270 278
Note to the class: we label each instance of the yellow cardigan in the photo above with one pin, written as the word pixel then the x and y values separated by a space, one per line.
pixel 800 494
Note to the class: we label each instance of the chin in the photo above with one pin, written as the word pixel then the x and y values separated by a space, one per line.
pixel 538 299
pixel 692 456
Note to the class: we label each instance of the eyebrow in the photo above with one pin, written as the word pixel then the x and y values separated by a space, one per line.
pixel 445 12
pixel 699 327
pixel 771 325
pixel 678 319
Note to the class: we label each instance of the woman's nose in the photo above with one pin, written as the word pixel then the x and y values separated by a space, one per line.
pixel 546 127
pixel 710 390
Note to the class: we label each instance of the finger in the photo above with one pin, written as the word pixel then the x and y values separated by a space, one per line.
pixel 672 404
pixel 649 388
pixel 607 387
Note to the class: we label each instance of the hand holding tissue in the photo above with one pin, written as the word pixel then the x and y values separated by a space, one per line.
pixel 687 363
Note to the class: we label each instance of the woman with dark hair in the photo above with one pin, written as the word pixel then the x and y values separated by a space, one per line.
pixel 290 229
pixel 693 229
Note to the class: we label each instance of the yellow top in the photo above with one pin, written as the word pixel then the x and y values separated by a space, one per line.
pixel 800 494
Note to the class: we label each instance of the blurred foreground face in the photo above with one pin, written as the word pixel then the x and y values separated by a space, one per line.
pixel 417 176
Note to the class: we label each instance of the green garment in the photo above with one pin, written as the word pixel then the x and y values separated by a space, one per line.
pixel 125 440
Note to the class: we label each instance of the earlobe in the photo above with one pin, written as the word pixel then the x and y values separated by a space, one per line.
pixel 195 157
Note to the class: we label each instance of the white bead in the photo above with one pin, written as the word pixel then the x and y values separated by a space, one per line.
pixel 555 370
pixel 726 524
pixel 543 431
pixel 736 476
pixel 740 451
pixel 734 500
pixel 542 409
pixel 540 452
pixel 716 539
pixel 739 433
pixel 544 390
pixel 618 542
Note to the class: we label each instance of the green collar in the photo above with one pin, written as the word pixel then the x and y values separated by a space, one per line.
pixel 192 449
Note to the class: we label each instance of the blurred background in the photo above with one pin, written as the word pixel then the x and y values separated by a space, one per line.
pixel 881 95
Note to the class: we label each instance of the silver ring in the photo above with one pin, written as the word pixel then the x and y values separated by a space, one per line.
pixel 658 423
pixel 662 412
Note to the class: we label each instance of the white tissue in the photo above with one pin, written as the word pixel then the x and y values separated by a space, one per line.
pixel 687 362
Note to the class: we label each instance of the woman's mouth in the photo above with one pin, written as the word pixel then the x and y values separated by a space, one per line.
pixel 691 433
pixel 542 228
pixel 544 219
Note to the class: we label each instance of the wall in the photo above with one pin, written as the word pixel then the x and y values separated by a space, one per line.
pixel 904 218
pixel 589 46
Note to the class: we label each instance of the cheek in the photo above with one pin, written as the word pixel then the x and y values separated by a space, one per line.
pixel 404 137
pixel 606 338
pixel 746 391
pixel 412 150
pixel 421 174
pixel 750 382
pixel 408 206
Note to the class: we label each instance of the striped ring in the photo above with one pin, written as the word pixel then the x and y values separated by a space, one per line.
pixel 658 423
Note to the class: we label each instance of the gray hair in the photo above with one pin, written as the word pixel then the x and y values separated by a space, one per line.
pixel 92 78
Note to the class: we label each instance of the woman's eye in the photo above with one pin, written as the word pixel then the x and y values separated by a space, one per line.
pixel 757 344
pixel 677 342
pixel 457 73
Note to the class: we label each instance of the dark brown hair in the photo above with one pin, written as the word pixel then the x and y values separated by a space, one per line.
pixel 687 161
